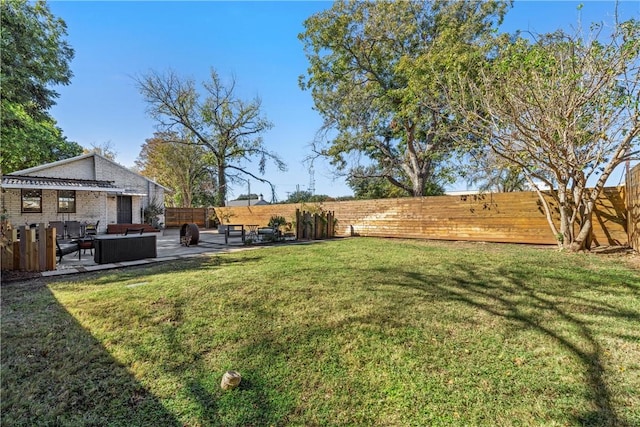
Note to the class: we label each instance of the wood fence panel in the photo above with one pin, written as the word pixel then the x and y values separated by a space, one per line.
pixel 500 217
pixel 633 207
pixel 23 265
pixel 610 218
pixel 29 253
pixel 176 217
pixel 42 247
pixel 50 257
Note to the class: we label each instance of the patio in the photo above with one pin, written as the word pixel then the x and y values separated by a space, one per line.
pixel 168 248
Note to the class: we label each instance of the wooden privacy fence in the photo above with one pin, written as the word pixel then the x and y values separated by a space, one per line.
pixel 499 217
pixel 633 207
pixel 176 217
pixel 35 250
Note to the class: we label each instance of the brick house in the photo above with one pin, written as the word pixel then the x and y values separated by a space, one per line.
pixel 86 188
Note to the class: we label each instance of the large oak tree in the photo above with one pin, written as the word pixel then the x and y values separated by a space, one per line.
pixel 379 116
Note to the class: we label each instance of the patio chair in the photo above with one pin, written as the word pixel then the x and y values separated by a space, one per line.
pixel 59 226
pixel 85 243
pixel 65 248
pixel 91 229
pixel 74 229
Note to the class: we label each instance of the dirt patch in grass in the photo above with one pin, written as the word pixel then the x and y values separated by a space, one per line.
pixel 623 254
pixel 18 276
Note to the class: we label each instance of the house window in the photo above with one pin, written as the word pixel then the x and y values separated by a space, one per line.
pixel 32 201
pixel 66 201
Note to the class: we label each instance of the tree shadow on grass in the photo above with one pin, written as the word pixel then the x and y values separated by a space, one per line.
pixel 201 264
pixel 513 299
pixel 84 385
pixel 209 405
pixel 55 373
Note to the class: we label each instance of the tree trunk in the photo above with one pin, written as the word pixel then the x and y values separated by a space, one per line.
pixel 221 194
pixel 583 239
pixel 418 186
pixel 566 234
pixel 547 211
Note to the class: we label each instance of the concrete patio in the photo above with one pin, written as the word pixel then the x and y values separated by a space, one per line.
pixel 168 248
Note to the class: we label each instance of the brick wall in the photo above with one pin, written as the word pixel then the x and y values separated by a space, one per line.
pixel 90 206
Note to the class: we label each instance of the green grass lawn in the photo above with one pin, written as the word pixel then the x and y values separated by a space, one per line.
pixel 360 332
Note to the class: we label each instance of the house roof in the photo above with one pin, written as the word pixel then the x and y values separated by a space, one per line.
pixel 36 182
pixel 248 202
pixel 245 202
pixel 74 159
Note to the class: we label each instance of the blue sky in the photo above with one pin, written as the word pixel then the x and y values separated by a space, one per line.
pixel 254 41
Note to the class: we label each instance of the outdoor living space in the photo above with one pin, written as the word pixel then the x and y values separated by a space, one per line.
pixel 168 247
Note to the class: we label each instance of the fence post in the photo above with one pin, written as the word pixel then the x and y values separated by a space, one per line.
pixel 308 225
pixel 16 255
pixel 331 229
pixel 42 247
pixel 50 237
pixel 23 248
pixel 31 249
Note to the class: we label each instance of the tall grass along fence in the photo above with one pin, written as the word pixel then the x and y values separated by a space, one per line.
pixel 491 217
pixel 28 249
pixel 633 207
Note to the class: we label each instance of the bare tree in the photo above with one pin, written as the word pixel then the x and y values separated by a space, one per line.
pixel 565 109
pixel 229 128
pixel 105 149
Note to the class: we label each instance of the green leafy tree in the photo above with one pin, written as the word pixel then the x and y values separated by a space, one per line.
pixel 565 110
pixel 251 196
pixel 377 107
pixel 179 164
pixel 28 142
pixel 369 183
pixel 228 128
pixel 492 173
pixel 34 57
pixel 302 196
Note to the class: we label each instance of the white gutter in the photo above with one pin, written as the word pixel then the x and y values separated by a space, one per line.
pixel 66 187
